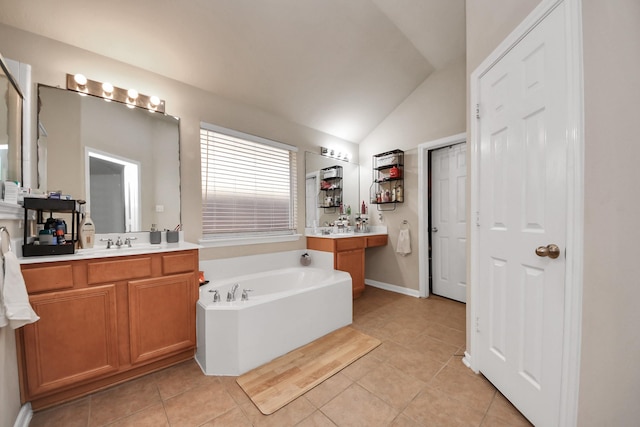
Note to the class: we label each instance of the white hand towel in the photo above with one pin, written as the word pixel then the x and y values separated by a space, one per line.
pixel 404 243
pixel 14 294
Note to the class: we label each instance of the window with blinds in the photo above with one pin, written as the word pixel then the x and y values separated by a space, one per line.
pixel 248 185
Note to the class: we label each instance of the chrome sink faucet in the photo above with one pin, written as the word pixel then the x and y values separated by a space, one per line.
pixel 231 295
pixel 118 242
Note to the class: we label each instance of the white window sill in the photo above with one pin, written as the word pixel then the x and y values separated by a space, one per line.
pixel 242 241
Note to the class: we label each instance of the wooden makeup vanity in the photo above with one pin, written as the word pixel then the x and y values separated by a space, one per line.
pixel 348 253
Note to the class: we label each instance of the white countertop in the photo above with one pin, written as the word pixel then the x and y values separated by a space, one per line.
pixel 373 231
pixel 140 246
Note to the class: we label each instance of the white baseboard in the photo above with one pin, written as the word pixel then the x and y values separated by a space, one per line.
pixel 393 288
pixel 467 361
pixel 24 416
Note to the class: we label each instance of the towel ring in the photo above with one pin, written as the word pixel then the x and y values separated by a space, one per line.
pixel 405 225
pixel 5 243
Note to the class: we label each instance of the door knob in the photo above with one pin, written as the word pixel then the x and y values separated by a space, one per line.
pixel 434 229
pixel 552 251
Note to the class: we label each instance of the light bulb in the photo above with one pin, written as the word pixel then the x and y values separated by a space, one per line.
pixel 107 88
pixel 154 101
pixel 80 80
pixel 132 94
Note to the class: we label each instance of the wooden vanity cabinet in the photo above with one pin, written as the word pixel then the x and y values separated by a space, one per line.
pixel 104 321
pixel 348 255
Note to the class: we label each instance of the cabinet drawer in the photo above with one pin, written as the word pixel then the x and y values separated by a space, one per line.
pixel 40 279
pixel 179 263
pixel 349 244
pixel 118 269
pixel 376 240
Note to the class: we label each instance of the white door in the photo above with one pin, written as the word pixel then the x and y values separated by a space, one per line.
pixel 448 222
pixel 522 203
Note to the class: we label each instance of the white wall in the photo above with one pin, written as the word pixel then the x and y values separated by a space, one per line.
pixel 434 110
pixel 9 385
pixel 610 378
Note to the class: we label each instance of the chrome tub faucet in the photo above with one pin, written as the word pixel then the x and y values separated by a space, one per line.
pixel 231 295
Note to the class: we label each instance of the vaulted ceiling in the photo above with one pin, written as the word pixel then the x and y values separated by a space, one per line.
pixel 338 66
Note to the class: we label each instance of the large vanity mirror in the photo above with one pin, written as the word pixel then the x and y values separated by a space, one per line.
pixel 125 162
pixel 10 126
pixel 350 183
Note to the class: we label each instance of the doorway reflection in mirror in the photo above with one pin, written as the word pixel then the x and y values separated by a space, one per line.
pixel 113 192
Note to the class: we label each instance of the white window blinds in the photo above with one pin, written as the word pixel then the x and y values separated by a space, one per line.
pixel 248 185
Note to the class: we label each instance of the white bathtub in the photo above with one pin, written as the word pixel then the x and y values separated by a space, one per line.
pixel 287 308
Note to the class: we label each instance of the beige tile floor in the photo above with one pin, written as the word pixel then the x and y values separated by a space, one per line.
pixel 414 378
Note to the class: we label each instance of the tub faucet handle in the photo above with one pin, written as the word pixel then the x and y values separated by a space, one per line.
pixel 216 295
pixel 245 294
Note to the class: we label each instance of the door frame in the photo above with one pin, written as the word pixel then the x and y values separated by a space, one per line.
pixel 572 327
pixel 424 170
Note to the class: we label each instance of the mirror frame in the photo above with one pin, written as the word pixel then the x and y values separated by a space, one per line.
pixel 15 155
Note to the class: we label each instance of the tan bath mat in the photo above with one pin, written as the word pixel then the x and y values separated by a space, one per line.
pixel 274 384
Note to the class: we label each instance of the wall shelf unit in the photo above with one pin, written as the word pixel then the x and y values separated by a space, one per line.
pixel 387 189
pixel 330 194
pixel 49 206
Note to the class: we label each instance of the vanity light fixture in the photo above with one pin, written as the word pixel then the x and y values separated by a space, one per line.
pixel 334 154
pixel 108 92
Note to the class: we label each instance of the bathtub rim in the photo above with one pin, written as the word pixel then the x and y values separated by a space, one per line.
pixel 332 277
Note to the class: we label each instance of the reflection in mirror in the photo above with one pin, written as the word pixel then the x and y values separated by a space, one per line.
pixel 10 126
pixel 123 161
pixel 350 184
pixel 113 188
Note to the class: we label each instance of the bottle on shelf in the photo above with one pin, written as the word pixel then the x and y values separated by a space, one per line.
pixel 87 232
pixel 399 194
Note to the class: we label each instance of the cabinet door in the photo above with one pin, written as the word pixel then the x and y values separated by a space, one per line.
pixel 162 315
pixel 353 263
pixel 74 340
